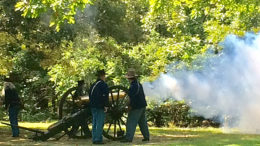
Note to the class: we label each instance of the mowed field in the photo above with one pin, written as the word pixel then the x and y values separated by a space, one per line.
pixel 159 136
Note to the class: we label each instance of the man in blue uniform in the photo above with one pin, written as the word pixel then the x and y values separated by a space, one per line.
pixel 12 104
pixel 137 109
pixel 99 101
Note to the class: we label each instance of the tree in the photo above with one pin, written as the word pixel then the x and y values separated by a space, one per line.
pixel 186 28
pixel 148 35
pixel 27 48
pixel 210 20
pixel 60 10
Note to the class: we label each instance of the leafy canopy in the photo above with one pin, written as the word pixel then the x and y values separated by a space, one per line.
pixel 61 10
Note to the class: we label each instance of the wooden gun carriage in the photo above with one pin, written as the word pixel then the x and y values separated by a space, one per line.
pixel 75 116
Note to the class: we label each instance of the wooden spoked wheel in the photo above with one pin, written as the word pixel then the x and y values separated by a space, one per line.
pixel 67 105
pixel 80 129
pixel 116 116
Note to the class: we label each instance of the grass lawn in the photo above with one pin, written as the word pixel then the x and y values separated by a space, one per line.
pixel 159 136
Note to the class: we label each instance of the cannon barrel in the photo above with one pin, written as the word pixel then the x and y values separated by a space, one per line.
pixel 112 96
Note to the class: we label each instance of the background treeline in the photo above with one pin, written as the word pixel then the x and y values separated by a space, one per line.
pixel 46 46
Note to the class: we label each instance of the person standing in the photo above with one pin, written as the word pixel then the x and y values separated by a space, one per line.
pixel 12 104
pixel 99 101
pixel 137 107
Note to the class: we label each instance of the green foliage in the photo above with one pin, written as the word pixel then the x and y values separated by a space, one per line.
pixel 79 62
pixel 5 58
pixel 184 28
pixel 61 10
pixel 209 20
pixel 3 114
pixel 24 47
pixel 42 116
pixel 120 19
pixel 156 54
pixel 177 113
pixel 148 35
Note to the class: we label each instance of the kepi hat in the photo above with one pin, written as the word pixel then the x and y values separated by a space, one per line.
pixel 131 74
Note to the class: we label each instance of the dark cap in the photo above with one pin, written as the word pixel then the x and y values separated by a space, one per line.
pixel 101 73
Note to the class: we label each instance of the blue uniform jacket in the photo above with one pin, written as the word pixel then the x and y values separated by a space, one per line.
pixel 11 98
pixel 137 96
pixel 98 94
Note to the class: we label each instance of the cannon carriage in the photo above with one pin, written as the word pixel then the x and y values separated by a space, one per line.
pixel 75 116
pixel 72 102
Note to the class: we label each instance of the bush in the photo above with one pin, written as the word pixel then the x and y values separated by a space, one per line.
pixel 3 114
pixel 177 113
pixel 42 116
pixel 24 115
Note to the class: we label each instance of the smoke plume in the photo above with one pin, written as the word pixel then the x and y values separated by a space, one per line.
pixel 227 86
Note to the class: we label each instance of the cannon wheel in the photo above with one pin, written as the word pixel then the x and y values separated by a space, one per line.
pixel 116 115
pixel 66 105
pixel 81 130
pixel 115 118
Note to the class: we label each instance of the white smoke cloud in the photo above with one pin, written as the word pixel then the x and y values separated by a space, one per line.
pixel 228 85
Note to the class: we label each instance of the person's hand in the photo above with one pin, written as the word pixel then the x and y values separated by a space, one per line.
pixel 105 109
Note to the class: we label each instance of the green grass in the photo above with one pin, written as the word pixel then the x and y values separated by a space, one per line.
pixel 159 136
pixel 204 136
pixel 40 125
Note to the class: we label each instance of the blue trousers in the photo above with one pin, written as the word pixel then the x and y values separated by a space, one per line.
pixel 136 116
pixel 13 117
pixel 97 124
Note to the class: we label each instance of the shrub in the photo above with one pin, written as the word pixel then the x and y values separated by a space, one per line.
pixel 44 115
pixel 177 113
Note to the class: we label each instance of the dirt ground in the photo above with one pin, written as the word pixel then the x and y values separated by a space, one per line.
pixel 6 139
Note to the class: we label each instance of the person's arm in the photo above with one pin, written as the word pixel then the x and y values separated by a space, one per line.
pixel 105 94
pixel 89 92
pixel 132 93
pixel 7 98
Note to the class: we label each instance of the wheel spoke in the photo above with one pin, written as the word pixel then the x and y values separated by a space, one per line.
pixel 114 129
pixel 71 95
pixel 70 106
pixel 122 102
pixel 112 97
pixel 109 127
pixel 122 121
pixel 68 103
pixel 119 125
pixel 118 95
pixel 124 116
pixel 118 101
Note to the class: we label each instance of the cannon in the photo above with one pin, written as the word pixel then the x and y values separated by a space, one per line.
pixel 75 115
pixel 58 129
pixel 77 99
